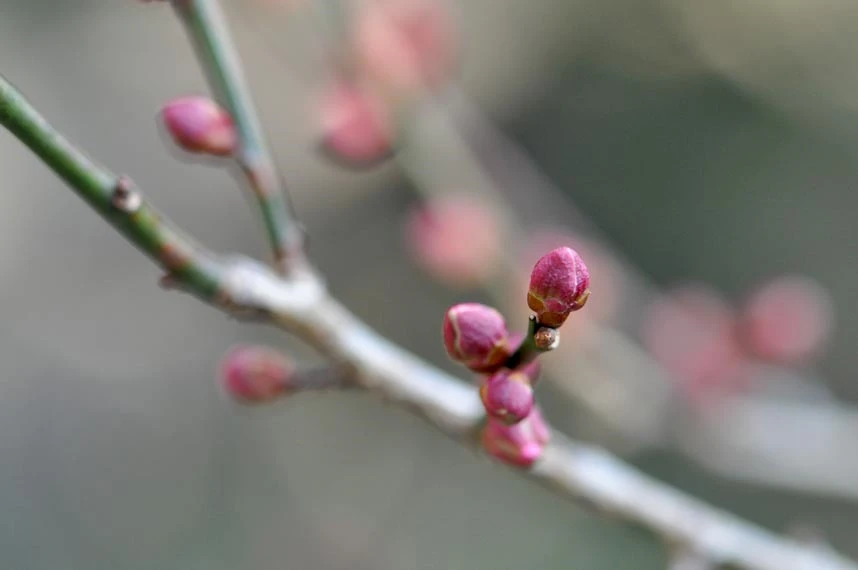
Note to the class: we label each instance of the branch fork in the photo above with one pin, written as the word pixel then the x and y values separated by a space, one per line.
pixel 293 297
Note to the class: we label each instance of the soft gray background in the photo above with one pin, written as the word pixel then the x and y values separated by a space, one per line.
pixel 712 144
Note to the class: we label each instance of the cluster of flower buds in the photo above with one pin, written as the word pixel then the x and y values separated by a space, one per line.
pixel 477 336
pixel 707 346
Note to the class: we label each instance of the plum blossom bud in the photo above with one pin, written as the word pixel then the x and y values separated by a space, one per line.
pixel 558 285
pixel 476 336
pixel 256 374
pixel 602 265
pixel 691 333
pixel 507 396
pixel 788 320
pixel 199 125
pixel 520 444
pixel 455 238
pixel 405 46
pixel 356 128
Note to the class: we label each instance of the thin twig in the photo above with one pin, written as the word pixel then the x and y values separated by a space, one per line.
pixel 616 380
pixel 112 196
pixel 300 305
pixel 685 559
pixel 207 29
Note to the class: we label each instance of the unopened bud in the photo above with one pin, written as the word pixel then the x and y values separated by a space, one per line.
pixel 356 128
pixel 520 444
pixel 406 46
pixel 788 320
pixel 507 396
pixel 690 332
pixel 456 238
pixel 199 125
pixel 476 336
pixel 558 285
pixel 255 374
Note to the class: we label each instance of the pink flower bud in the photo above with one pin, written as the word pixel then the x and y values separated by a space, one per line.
pixel 507 396
pixel 531 371
pixel 558 285
pixel 255 374
pixel 691 333
pixel 476 336
pixel 406 46
pixel 602 266
pixel 200 125
pixel 356 128
pixel 456 239
pixel 520 444
pixel 788 320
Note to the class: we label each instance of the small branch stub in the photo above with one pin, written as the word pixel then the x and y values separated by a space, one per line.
pixel 546 338
pixel 125 197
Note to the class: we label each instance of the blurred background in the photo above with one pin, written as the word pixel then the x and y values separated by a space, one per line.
pixel 700 155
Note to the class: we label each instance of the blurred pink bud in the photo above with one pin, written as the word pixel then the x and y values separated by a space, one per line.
pixel 476 336
pixel 456 239
pixel 406 46
pixel 787 320
pixel 200 125
pixel 356 128
pixel 520 444
pixel 507 396
pixel 558 285
pixel 691 333
pixel 256 374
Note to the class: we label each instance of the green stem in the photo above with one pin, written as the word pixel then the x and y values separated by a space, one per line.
pixel 113 197
pixel 207 29
pixel 529 349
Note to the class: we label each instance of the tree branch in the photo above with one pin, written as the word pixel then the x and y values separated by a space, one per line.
pixel 208 32
pixel 301 305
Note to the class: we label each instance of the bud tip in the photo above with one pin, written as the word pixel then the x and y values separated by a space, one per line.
pixel 201 126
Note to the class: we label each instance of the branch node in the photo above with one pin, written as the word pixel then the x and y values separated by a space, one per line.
pixel 168 282
pixel 546 338
pixel 125 196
